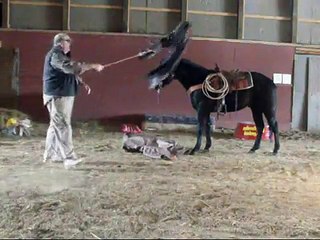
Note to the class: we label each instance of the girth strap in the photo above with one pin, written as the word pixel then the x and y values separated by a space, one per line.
pixel 194 88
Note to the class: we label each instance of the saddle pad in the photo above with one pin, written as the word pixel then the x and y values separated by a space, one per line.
pixel 241 84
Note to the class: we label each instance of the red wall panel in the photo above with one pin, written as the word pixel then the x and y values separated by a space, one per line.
pixel 123 89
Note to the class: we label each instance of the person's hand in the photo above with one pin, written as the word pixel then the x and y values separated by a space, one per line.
pixel 98 67
pixel 146 54
pixel 87 88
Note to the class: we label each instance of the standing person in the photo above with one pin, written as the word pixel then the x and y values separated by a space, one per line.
pixel 60 86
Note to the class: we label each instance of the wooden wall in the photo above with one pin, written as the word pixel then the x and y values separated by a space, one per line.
pixel 268 20
pixel 285 21
pixel 307 25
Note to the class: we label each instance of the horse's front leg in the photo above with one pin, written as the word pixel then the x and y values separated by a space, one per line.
pixel 208 133
pixel 200 125
pixel 257 142
pixel 258 120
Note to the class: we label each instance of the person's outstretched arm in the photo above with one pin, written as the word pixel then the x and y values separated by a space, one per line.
pixel 65 64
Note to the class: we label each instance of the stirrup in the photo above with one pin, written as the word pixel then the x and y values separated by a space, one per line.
pixel 222 113
pixel 222 106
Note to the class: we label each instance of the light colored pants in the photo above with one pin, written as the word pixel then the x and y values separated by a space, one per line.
pixel 59 145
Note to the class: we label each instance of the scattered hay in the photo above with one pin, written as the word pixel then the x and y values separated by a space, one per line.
pixel 225 193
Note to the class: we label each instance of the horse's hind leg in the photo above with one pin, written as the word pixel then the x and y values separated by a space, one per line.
pixel 273 124
pixel 208 132
pixel 258 120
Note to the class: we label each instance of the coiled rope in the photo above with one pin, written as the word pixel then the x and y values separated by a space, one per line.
pixel 208 90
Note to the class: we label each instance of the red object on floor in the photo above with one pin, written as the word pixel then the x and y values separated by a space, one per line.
pixel 248 131
pixel 130 128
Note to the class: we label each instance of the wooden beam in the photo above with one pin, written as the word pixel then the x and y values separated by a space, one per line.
pixel 241 18
pixel 308 20
pixel 294 38
pixel 224 14
pixel 6 13
pixel 268 17
pixel 149 9
pixel 309 51
pixel 126 15
pixel 96 6
pixel 66 14
pixel 256 42
pixel 210 39
pixel 184 10
pixel 36 3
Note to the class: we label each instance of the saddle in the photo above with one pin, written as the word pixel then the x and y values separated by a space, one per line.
pixel 237 80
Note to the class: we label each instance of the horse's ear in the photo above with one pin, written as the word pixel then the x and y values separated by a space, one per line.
pixel 217 69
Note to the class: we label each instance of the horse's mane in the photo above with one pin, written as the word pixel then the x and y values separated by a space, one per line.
pixel 192 65
pixel 190 73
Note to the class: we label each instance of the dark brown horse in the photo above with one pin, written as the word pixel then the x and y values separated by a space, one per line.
pixel 261 96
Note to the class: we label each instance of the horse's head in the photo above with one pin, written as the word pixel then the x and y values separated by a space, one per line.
pixel 178 36
pixel 165 72
pixel 176 40
pixel 157 82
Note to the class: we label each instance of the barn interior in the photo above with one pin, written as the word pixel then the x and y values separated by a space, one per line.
pixel 223 193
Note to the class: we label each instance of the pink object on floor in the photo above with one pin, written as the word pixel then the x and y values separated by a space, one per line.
pixel 130 128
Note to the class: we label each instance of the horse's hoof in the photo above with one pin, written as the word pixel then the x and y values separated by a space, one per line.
pixel 189 152
pixel 275 153
pixel 205 150
pixel 252 151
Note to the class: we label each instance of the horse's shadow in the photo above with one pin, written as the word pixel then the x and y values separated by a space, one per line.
pixel 223 135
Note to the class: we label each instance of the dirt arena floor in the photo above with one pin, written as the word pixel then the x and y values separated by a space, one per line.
pixel 226 193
